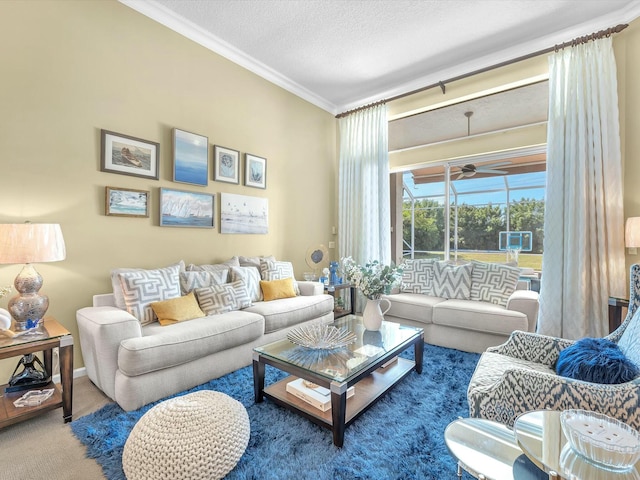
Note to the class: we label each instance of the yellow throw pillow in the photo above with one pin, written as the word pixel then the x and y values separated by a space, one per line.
pixel 177 309
pixel 275 289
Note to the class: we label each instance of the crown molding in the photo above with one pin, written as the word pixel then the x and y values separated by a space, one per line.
pixel 190 30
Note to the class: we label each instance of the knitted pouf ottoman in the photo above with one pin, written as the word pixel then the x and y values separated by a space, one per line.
pixel 201 435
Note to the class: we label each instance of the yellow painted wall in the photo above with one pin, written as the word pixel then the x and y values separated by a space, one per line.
pixel 72 68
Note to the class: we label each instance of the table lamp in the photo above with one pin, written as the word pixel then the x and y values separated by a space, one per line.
pixel 30 243
pixel 632 233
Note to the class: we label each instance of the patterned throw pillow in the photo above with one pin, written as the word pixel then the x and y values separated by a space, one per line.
pixel 141 288
pixel 452 281
pixel 271 270
pixel 255 261
pixel 251 277
pixel 417 277
pixel 189 281
pixel 493 282
pixel 116 285
pixel 218 299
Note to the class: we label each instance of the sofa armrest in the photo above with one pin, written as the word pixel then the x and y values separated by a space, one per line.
pixel 525 301
pixel 308 288
pixel 101 330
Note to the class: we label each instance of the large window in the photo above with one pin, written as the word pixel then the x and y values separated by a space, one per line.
pixel 480 207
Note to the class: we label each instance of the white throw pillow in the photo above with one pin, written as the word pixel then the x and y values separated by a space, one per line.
pixel 189 281
pixel 272 270
pixel 118 295
pixel 218 299
pixel 417 277
pixel 452 281
pixel 141 288
pixel 493 282
pixel 251 277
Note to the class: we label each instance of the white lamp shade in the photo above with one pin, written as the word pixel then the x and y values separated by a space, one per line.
pixel 31 243
pixel 632 232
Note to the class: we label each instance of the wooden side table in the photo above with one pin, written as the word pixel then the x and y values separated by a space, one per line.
pixel 615 311
pixel 53 335
pixel 333 290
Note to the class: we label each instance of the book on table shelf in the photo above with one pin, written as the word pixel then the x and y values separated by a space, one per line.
pixel 317 396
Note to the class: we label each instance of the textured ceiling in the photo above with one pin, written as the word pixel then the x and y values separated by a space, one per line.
pixel 340 54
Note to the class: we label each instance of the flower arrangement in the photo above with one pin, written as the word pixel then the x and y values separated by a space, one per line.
pixel 373 279
pixel 5 290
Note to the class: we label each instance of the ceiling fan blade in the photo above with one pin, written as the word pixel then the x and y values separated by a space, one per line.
pixel 462 175
pixel 491 170
pixel 497 164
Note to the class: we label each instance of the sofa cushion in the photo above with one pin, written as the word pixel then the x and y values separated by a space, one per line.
pixel 177 309
pixel 417 276
pixel 452 281
pixel 285 312
pixel 218 299
pixel 271 270
pixel 412 306
pixel 163 347
pixel 478 316
pixel 190 280
pixel 118 295
pixel 494 365
pixel 141 288
pixel 277 289
pixel 251 277
pixel 493 282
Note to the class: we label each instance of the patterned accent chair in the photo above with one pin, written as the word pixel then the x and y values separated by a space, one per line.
pixel 519 375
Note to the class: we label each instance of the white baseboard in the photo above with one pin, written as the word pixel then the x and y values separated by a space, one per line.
pixel 78 372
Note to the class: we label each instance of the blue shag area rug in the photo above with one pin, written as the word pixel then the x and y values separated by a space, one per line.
pixel 400 437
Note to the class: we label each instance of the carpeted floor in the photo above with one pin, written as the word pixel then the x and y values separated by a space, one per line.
pixel 401 437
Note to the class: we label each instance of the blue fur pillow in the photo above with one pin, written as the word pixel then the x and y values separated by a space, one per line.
pixel 596 360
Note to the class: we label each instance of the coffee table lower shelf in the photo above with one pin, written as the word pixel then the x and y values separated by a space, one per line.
pixel 367 392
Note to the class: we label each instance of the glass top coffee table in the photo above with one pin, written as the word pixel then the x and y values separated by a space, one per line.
pixel 369 365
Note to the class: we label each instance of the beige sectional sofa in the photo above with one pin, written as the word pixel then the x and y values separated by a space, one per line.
pixel 460 309
pixel 136 362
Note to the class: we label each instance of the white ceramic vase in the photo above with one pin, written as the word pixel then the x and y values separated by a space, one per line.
pixel 372 316
pixel 5 319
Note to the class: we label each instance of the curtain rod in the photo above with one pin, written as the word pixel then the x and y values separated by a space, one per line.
pixel 442 84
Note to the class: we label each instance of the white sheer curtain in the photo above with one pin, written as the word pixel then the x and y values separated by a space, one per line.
pixel 364 217
pixel 583 262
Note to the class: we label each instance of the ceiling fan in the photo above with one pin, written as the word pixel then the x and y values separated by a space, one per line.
pixel 470 169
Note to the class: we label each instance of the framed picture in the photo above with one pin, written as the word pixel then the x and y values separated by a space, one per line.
pixel 226 164
pixel 126 202
pixel 190 158
pixel 129 155
pixel 255 171
pixel 243 214
pixel 179 208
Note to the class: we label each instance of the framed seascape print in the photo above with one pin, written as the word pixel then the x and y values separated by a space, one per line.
pixel 243 214
pixel 255 171
pixel 129 155
pixel 190 158
pixel 126 202
pixel 226 164
pixel 179 208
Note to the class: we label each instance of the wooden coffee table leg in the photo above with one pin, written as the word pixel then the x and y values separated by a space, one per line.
pixel 258 378
pixel 338 413
pixel 419 351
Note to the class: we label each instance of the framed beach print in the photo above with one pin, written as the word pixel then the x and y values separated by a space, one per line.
pixel 129 155
pixel 255 171
pixel 243 214
pixel 179 208
pixel 190 158
pixel 126 202
pixel 226 164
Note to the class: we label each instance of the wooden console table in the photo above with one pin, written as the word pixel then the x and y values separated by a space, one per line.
pixel 52 335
